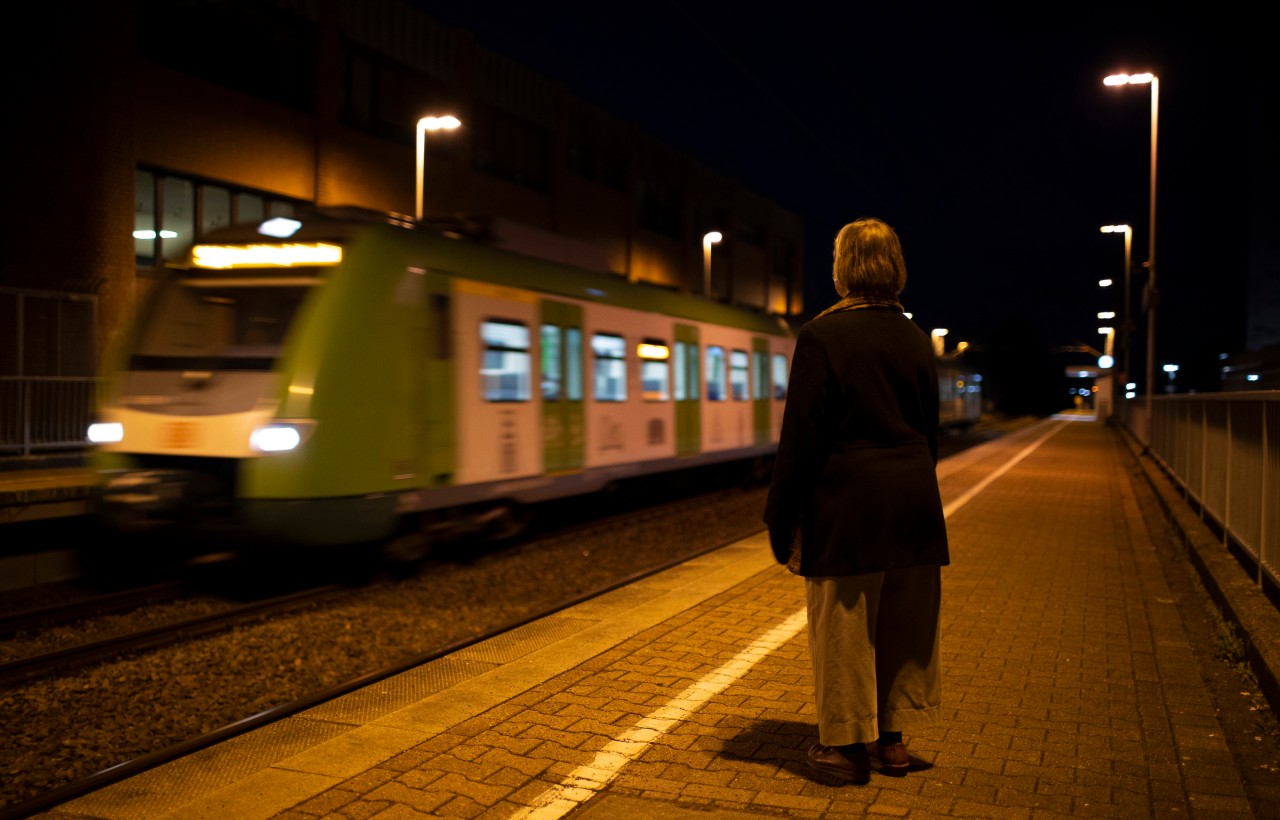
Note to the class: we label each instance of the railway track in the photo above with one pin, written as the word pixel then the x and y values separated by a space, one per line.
pixel 139 764
pixel 71 658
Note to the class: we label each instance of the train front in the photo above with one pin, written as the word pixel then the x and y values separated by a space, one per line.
pixel 198 387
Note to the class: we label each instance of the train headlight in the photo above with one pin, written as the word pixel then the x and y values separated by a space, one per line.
pixel 106 432
pixel 278 437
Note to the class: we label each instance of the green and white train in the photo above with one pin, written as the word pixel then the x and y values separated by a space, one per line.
pixel 350 377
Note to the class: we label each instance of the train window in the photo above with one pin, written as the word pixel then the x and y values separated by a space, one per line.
pixel 504 373
pixel 686 372
pixel 611 367
pixel 552 372
pixel 779 376
pixel 740 375
pixel 655 370
pixel 716 379
pixel 760 370
pixel 573 364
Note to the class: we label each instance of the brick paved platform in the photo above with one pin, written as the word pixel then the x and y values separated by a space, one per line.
pixel 1070 689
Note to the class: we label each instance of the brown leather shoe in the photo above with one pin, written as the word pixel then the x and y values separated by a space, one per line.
pixel 832 761
pixel 890 760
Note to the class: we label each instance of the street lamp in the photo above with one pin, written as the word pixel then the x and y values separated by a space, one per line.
pixel 938 342
pixel 445 123
pixel 1151 293
pixel 1125 321
pixel 708 240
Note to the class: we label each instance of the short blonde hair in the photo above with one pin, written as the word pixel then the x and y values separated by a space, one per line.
pixel 868 259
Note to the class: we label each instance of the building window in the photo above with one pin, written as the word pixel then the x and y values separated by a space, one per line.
pixel 504 373
pixel 716 377
pixel 740 375
pixel 257 48
pixel 511 148
pixel 172 212
pixel 611 367
pixel 655 370
pixel 662 208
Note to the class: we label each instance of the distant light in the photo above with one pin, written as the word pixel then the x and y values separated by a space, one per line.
pixel 908 315
pixel 1084 374
pixel 1130 395
pixel 1104 283
pixel 1106 330
pixel 595 292
pixel 1114 228
pixel 939 331
pixel 1105 361
pixel 106 432
pixel 280 226
pixel 1171 368
pixel 1131 386
pixel 1223 356
pixel 1107 314
pixel 152 234
pixel 1251 377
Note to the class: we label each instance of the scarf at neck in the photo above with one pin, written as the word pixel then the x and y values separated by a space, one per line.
pixel 859 301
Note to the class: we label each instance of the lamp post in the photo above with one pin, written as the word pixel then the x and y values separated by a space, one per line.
pixel 1125 320
pixel 939 343
pixel 445 123
pixel 708 240
pixel 1151 292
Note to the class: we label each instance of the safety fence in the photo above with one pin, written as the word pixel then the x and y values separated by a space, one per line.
pixel 1222 450
pixel 48 361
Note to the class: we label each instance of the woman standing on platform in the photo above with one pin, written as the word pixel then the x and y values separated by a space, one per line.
pixel 854 508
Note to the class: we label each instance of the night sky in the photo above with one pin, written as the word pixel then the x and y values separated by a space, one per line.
pixel 987 140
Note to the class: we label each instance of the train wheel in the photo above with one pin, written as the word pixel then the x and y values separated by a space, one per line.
pixel 403 553
pixel 508 521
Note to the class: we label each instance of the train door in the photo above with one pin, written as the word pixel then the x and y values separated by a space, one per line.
pixel 761 429
pixel 561 373
pixel 686 391
pixel 438 402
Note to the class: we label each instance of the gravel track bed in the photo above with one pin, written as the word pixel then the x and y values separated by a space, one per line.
pixel 63 728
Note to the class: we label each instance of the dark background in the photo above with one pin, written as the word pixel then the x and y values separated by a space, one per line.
pixel 986 138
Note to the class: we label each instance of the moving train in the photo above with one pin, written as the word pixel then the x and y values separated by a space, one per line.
pixel 351 377
pixel 959 396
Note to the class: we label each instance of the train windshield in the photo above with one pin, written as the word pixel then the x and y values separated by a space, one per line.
pixel 221 320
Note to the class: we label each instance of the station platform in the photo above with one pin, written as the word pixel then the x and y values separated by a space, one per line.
pixel 1071 688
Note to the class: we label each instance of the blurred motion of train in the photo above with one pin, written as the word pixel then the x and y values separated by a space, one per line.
pixel 351 377
pixel 959 397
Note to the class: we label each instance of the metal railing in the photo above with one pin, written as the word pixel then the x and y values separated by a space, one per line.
pixel 40 414
pixel 48 368
pixel 1223 452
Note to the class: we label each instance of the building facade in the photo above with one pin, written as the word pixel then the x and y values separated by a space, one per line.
pixel 150 123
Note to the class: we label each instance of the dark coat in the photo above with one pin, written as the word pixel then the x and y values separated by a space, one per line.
pixel 855 472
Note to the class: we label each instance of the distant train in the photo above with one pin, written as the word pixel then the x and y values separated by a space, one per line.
pixel 350 377
pixel 959 396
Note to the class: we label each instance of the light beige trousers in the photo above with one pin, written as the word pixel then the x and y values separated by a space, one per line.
pixel 873 640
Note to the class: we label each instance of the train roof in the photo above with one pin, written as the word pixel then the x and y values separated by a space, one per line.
pixel 465 248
